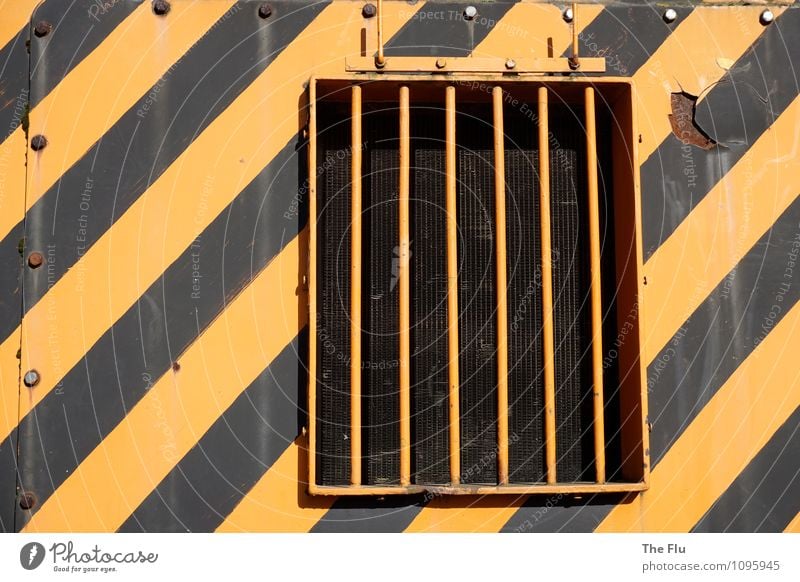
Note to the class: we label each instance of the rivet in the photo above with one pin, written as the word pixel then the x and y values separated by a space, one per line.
pixel 567 15
pixel 510 64
pixel 265 10
pixel 42 28
pixel 31 378
pixel 38 142
pixel 441 63
pixel 766 17
pixel 35 260
pixel 670 15
pixel 161 7
pixel 368 11
pixel 27 500
pixel 470 12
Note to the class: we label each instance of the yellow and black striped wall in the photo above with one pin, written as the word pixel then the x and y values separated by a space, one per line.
pixel 153 237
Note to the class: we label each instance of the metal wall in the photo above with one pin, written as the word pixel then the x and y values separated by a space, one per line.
pixel 166 321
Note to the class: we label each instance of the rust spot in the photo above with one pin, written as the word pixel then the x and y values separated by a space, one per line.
pixel 683 123
pixel 176 366
pixel 27 500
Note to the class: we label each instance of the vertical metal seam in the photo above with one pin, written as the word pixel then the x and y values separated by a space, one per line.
pixel 501 286
pixel 596 298
pixel 403 279
pixel 547 288
pixel 355 287
pixel 452 286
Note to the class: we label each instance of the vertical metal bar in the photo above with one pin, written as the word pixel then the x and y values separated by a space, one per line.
pixel 403 279
pixel 312 281
pixel 547 289
pixel 596 298
pixel 355 287
pixel 574 60
pixel 380 60
pixel 501 287
pixel 452 285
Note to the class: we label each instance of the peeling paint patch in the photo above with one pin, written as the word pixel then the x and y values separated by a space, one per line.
pixel 683 123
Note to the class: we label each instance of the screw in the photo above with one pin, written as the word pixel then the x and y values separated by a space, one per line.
pixel 161 7
pixel 441 63
pixel 470 12
pixel 670 15
pixel 31 378
pixel 510 64
pixel 42 28
pixel 38 142
pixel 35 260
pixel 265 10
pixel 27 500
pixel 766 17
pixel 368 11
pixel 567 15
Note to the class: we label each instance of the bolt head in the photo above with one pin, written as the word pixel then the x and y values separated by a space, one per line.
pixel 766 17
pixel 27 500
pixel 368 11
pixel 42 28
pixel 568 15
pixel 38 142
pixel 670 15
pixel 470 12
pixel 510 64
pixel 35 260
pixel 265 10
pixel 441 63
pixel 31 378
pixel 161 7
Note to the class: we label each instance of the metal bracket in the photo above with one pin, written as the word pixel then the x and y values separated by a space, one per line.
pixel 473 65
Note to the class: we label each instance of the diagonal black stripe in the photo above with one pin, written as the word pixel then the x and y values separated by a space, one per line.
pixel 765 497
pixel 560 513
pixel 211 479
pixel 95 395
pixel 440 29
pixel 627 36
pixel 392 514
pixel 8 483
pixel 77 30
pixel 736 112
pixel 111 176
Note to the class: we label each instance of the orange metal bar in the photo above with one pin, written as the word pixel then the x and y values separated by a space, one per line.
pixel 547 289
pixel 575 62
pixel 597 308
pixel 312 281
pixel 355 288
pixel 452 285
pixel 403 280
pixel 501 287
pixel 380 60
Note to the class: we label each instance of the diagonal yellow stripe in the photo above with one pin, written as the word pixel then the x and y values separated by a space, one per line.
pixel 165 220
pixel 16 14
pixel 279 502
pixel 721 229
pixel 794 525
pixel 720 442
pixel 693 58
pixel 109 81
pixel 181 406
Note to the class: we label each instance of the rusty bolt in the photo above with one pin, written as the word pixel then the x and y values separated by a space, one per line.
pixel 568 15
pixel 265 10
pixel 31 378
pixel 670 15
pixel 368 11
pixel 470 12
pixel 441 63
pixel 175 366
pixel 42 28
pixel 161 7
pixel 35 260
pixel 510 64
pixel 766 17
pixel 38 142
pixel 27 500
